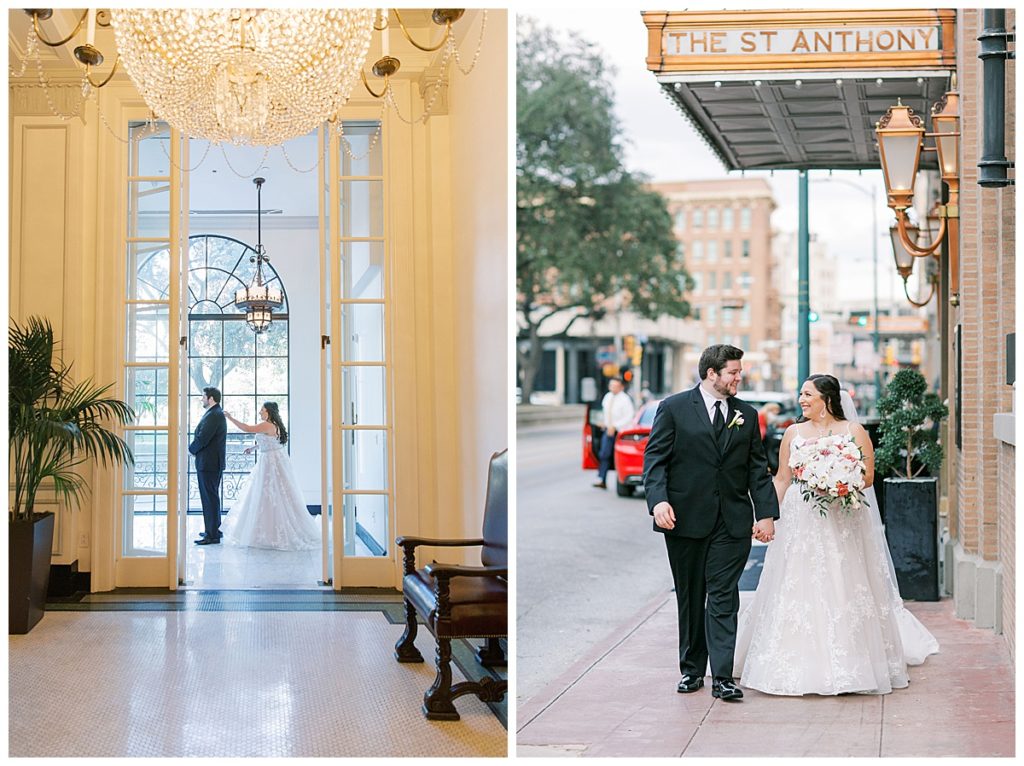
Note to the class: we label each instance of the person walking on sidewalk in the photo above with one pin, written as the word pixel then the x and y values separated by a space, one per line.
pixel 618 412
pixel 827 617
pixel 706 479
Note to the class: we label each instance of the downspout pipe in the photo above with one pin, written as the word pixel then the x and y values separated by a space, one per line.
pixel 994 39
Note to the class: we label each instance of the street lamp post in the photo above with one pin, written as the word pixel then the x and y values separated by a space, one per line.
pixel 874 269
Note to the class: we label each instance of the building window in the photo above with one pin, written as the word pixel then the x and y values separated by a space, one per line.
pixel 712 217
pixel 698 218
pixel 712 313
pixel 696 281
pixel 746 248
pixel 727 221
pixel 744 281
pixel 681 219
pixel 745 218
pixel 745 315
pixel 711 340
pixel 681 251
pixel 727 280
pixel 712 280
pixel 727 316
pixel 698 250
pixel 727 249
pixel 712 253
pixel 744 341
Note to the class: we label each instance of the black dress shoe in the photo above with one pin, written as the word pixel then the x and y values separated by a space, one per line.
pixel 601 485
pixel 726 690
pixel 208 541
pixel 690 683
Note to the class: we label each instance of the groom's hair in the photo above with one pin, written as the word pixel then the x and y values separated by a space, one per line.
pixel 716 357
pixel 213 393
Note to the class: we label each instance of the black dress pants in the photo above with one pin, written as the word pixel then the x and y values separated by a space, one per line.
pixel 209 494
pixel 706 572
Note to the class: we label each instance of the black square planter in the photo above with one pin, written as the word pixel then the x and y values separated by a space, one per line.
pixel 911 528
pixel 29 552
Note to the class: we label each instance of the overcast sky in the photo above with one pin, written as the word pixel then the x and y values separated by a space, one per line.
pixel 661 144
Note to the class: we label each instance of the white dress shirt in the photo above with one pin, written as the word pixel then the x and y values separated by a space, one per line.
pixel 618 410
pixel 709 405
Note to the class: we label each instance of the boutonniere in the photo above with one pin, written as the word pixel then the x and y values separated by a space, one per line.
pixel 737 420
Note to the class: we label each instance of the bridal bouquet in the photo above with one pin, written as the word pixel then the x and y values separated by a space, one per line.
pixel 830 472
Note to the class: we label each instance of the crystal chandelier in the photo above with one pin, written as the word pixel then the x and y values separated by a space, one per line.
pixel 258 301
pixel 247 76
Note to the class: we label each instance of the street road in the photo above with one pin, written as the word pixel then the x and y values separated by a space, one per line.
pixel 587 560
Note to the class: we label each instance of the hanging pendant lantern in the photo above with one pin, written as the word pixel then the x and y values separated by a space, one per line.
pixel 258 300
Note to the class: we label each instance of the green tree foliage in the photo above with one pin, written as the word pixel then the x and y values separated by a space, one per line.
pixel 907 433
pixel 590 236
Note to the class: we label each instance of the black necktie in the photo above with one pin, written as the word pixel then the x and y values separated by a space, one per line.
pixel 719 420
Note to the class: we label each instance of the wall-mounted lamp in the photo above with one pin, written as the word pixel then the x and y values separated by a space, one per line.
pixel 901 137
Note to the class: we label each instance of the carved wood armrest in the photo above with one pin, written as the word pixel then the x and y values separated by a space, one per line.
pixel 410 543
pixel 447 571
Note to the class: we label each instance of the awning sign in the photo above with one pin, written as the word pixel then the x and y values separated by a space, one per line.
pixel 777 42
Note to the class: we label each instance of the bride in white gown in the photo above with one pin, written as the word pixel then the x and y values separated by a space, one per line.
pixel 827 617
pixel 269 511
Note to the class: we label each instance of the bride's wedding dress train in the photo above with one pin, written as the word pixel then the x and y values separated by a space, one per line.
pixel 270 511
pixel 827 617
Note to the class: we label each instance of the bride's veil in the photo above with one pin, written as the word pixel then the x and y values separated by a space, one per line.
pixel 918 643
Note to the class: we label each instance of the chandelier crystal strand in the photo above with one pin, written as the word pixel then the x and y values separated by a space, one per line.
pixel 195 167
pixel 373 141
pixel 244 76
pixel 259 166
pixel 31 48
pixel 479 47
pixel 319 159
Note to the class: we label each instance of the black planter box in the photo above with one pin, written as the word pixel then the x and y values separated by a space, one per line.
pixel 29 552
pixel 911 528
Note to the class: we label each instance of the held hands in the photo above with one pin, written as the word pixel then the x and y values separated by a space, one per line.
pixel 764 530
pixel 664 516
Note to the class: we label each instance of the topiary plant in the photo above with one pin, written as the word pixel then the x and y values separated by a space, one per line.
pixel 908 414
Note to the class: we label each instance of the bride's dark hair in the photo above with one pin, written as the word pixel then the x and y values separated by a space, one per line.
pixel 274 416
pixel 828 387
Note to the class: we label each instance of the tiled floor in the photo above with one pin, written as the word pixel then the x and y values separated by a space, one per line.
pixel 220 681
pixel 620 700
pixel 228 566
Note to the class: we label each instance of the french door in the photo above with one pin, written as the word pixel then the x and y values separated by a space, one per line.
pixel 356 369
pixel 357 434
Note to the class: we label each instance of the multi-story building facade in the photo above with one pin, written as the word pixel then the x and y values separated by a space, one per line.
pixel 725 241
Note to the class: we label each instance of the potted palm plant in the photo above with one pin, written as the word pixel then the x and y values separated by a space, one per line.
pixel 55 426
pixel 909 450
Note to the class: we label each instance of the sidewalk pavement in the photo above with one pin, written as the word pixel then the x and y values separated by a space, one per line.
pixel 621 700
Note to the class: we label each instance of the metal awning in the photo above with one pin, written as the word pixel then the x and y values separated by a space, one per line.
pixel 793 106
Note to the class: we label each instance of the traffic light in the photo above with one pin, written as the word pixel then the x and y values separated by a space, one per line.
pixel 890 355
pixel 628 344
pixel 627 376
pixel 637 356
pixel 862 321
pixel 813 316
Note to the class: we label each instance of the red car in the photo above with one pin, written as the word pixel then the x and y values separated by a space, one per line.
pixel 629 445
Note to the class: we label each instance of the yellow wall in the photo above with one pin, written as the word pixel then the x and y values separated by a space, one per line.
pixel 448 217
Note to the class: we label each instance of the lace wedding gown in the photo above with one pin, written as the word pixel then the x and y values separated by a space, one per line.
pixel 270 511
pixel 827 617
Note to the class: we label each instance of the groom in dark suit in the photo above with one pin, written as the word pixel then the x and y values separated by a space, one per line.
pixel 210 446
pixel 706 479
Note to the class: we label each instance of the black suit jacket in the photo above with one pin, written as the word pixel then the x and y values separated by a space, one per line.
pixel 210 442
pixel 685 466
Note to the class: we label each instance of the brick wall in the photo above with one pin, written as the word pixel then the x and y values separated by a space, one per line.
pixel 985 469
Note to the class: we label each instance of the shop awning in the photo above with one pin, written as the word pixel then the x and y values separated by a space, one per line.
pixel 799 89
